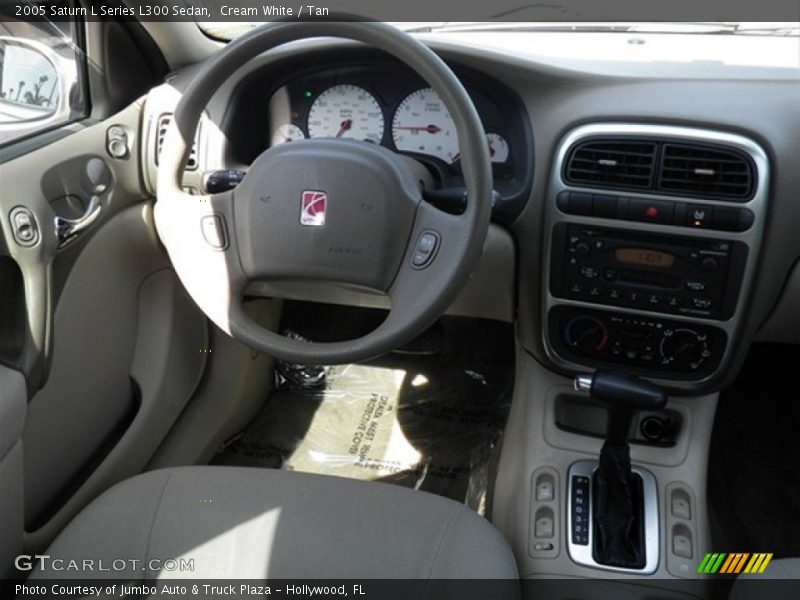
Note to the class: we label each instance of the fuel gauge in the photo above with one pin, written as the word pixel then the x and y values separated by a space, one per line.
pixel 287 133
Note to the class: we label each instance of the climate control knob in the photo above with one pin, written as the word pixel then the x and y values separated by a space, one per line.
pixel 586 333
pixel 684 349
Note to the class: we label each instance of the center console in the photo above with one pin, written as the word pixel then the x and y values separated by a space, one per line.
pixel 652 238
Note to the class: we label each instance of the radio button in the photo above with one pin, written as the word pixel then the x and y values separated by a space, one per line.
pixel 695 285
pixel 610 274
pixel 650 211
pixel 702 303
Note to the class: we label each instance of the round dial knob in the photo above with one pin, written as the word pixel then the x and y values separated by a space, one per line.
pixel 684 349
pixel 586 333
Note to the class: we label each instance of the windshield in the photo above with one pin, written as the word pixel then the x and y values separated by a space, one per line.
pixel 230 30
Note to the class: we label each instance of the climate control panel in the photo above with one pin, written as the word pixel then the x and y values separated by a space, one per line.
pixel 645 344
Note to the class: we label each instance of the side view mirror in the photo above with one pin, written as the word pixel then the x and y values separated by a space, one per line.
pixel 33 90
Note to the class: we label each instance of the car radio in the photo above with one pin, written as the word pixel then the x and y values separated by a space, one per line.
pixel 659 273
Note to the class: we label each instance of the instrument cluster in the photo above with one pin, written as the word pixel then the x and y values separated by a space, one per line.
pixel 393 108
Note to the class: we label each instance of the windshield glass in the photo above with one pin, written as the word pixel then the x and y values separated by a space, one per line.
pixel 230 30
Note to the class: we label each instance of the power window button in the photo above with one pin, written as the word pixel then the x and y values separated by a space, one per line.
pixel 544 491
pixel 682 546
pixel 544 528
pixel 680 508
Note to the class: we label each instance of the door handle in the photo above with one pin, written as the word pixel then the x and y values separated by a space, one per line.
pixel 69 230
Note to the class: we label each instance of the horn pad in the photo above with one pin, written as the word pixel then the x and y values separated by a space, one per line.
pixel 326 209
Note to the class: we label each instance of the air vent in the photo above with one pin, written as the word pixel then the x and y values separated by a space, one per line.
pixel 163 123
pixel 705 171
pixel 613 163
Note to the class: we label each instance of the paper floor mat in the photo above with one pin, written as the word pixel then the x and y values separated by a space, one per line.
pixel 432 429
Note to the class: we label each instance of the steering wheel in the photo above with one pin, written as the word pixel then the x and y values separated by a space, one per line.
pixel 324 210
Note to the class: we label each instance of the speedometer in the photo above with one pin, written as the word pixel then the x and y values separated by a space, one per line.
pixel 423 124
pixel 346 111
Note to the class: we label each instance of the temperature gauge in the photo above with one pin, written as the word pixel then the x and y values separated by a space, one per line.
pixel 498 147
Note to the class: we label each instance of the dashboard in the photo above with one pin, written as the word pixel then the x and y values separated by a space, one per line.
pixel 610 246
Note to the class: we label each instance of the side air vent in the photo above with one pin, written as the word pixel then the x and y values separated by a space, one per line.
pixel 705 171
pixel 615 163
pixel 163 123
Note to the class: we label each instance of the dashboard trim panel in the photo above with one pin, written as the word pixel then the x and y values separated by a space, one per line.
pixel 752 237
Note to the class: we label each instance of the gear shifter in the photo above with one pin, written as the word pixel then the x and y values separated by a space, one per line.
pixel 617 497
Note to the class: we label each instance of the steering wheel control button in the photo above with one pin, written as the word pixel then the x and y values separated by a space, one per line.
pixel 24 227
pixel 425 250
pixel 214 231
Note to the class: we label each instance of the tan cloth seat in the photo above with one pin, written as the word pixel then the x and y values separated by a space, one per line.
pixel 260 523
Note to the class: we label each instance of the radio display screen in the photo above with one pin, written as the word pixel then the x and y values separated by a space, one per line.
pixel 644 257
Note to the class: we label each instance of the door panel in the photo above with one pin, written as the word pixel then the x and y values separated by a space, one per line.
pixel 110 345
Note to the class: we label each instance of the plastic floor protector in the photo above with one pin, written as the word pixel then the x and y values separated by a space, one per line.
pixel 428 421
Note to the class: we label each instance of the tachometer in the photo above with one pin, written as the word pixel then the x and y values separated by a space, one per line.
pixel 423 124
pixel 346 111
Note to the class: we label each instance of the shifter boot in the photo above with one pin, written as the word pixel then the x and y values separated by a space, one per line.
pixel 617 510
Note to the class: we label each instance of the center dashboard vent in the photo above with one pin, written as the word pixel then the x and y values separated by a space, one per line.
pixel 703 171
pixel 670 167
pixel 614 163
pixel 163 123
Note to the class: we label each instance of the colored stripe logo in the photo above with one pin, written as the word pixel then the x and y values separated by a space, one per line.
pixel 734 563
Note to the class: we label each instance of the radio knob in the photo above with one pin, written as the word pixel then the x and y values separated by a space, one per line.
pixel 583 249
pixel 709 263
pixel 684 349
pixel 586 333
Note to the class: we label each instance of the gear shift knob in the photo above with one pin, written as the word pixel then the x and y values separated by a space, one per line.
pixel 622 391
pixel 623 394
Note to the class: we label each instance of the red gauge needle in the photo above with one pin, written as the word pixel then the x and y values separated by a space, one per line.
pixel 345 126
pixel 428 128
